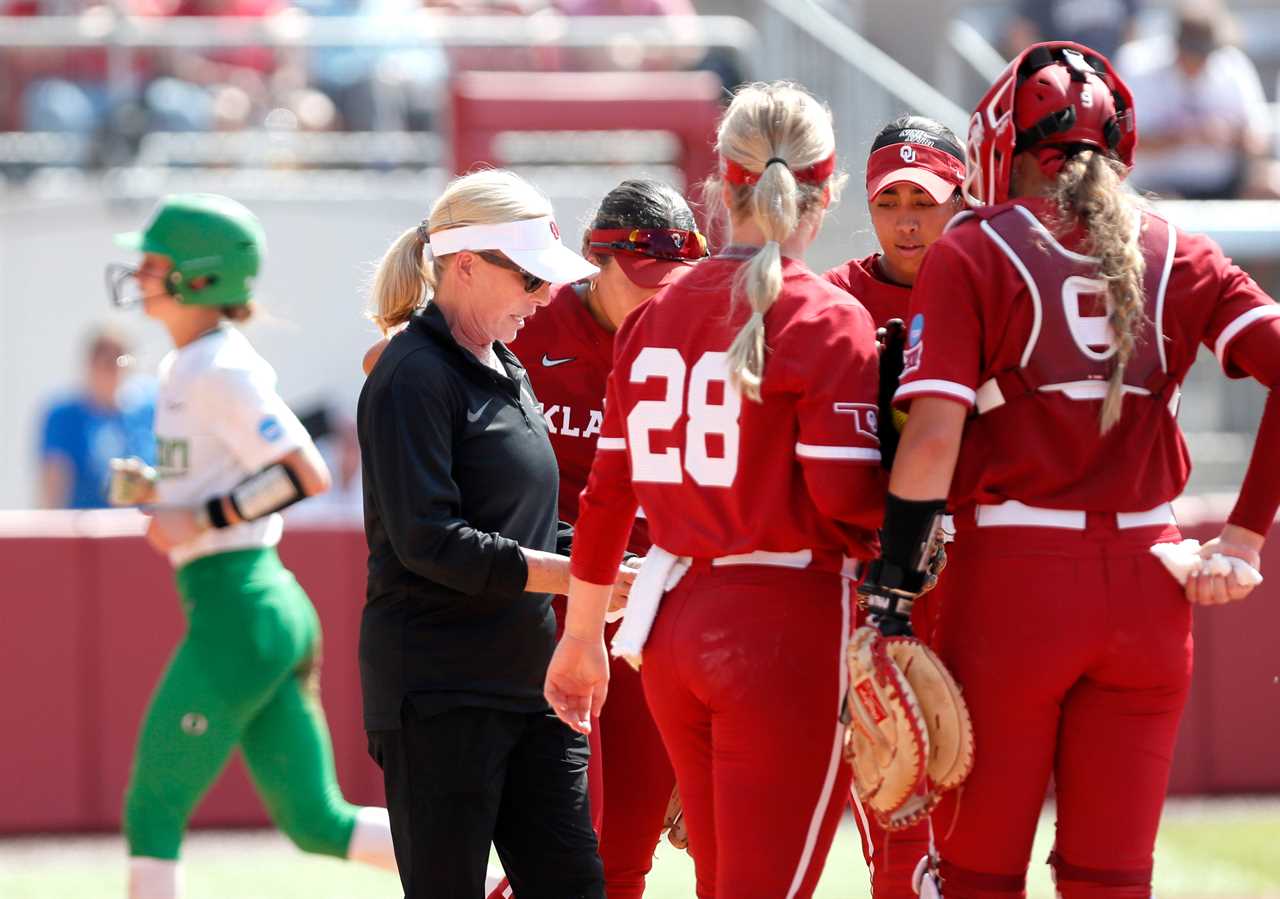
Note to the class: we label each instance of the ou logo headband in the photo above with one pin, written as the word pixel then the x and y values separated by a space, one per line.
pixel 908 154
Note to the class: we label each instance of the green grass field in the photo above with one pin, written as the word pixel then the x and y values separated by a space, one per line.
pixel 1219 848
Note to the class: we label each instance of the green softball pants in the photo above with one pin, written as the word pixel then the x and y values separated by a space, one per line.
pixel 245 675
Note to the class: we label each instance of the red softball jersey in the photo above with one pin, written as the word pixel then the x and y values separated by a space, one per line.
pixel 718 474
pixel 1007 320
pixel 883 299
pixel 568 356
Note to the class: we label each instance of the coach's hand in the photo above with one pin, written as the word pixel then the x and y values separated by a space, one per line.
pixel 578 680
pixel 1208 589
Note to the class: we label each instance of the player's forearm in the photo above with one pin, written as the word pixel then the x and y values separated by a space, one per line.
pixel 584 618
pixel 1259 498
pixel 929 448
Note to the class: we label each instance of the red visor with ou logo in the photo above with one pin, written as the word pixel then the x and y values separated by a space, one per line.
pixel 936 172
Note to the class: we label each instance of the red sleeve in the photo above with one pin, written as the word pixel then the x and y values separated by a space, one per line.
pixel 839 276
pixel 830 361
pixel 944 329
pixel 607 507
pixel 1240 302
pixel 1257 353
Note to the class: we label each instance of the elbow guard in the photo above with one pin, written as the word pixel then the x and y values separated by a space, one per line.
pixel 273 488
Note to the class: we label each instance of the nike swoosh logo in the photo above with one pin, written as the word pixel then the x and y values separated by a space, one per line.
pixel 474 417
pixel 548 362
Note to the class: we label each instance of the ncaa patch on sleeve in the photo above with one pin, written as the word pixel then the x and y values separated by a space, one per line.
pixel 916 332
pixel 915 345
pixel 271 429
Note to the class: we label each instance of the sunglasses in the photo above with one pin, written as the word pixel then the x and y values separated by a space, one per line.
pixel 658 243
pixel 532 283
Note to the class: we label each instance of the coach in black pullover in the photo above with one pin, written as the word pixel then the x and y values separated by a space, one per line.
pixel 459 475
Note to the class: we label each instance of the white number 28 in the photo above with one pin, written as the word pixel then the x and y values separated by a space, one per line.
pixel 705 418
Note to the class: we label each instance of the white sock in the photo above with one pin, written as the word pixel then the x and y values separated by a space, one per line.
pixel 154 878
pixel 371 839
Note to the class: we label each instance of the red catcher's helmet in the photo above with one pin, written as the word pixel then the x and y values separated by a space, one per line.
pixel 1053 94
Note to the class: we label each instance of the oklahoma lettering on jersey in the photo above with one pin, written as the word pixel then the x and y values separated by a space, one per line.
pixel 1008 320
pixel 718 474
pixel 882 299
pixel 568 356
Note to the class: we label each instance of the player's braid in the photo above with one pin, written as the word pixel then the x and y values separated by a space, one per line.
pixel 777 121
pixel 1089 191
pixel 773 207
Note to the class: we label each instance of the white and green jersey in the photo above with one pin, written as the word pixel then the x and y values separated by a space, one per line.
pixel 219 420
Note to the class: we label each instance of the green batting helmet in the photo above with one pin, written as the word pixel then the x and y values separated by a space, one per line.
pixel 206 236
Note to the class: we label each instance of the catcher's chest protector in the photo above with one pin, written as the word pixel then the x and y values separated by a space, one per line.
pixel 1069 349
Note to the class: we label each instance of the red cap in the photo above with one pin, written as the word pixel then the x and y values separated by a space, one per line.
pixel 937 172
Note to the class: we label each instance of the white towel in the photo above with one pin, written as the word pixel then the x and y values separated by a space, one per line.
pixel 1181 559
pixel 659 573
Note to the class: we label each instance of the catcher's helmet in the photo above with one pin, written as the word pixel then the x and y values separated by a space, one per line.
pixel 211 239
pixel 1054 94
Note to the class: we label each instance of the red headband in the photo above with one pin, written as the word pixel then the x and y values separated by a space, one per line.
pixel 814 174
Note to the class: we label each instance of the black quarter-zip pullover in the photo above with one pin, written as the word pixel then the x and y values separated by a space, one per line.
pixel 458 474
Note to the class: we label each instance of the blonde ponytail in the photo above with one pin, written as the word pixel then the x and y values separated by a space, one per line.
pixel 774 130
pixel 405 280
pixel 402 281
pixel 1089 192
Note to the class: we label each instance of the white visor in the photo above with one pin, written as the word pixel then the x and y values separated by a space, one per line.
pixel 532 244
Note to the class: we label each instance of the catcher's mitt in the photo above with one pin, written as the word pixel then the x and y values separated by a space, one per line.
pixel 945 714
pixel 887 741
pixel 909 737
pixel 673 822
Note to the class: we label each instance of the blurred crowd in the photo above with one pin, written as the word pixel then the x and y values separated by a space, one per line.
pixel 376 86
pixel 1208 131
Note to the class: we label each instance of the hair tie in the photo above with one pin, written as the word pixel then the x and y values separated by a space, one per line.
pixel 424 233
pixel 817 173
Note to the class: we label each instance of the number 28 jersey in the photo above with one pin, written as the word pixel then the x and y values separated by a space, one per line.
pixel 719 474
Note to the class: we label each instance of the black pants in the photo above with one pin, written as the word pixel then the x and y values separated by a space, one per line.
pixel 463 778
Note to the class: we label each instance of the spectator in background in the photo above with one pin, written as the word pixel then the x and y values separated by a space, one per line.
pixel 626 53
pixel 1204 116
pixel 500 57
pixel 66 90
pixel 80 435
pixel 1101 24
pixel 379 88
pixel 231 88
pixel 333 430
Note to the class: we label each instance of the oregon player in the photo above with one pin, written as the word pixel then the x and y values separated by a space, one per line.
pixel 230 455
